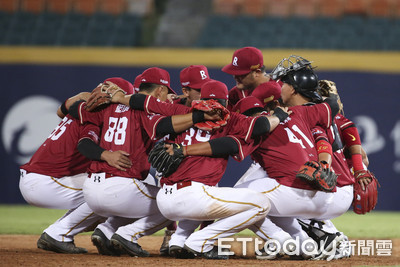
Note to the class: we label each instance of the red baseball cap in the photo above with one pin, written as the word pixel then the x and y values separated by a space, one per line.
pixel 157 76
pixel 266 92
pixel 194 76
pixel 122 83
pixel 214 89
pixel 244 60
pixel 137 82
pixel 247 103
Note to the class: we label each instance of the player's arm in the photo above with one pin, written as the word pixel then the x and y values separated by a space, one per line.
pixel 332 101
pixel 91 150
pixel 62 110
pixel 149 104
pixel 324 148
pixel 219 147
pixel 180 123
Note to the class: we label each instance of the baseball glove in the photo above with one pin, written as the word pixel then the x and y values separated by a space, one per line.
pixel 365 200
pixel 319 174
pixel 211 107
pixel 162 161
pixel 101 96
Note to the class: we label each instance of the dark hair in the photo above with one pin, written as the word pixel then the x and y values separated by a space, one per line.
pixel 252 111
pixel 148 87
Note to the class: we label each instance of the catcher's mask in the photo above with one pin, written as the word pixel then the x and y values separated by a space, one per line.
pixel 299 73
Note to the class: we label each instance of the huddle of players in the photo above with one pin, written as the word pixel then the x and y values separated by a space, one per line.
pixel 144 209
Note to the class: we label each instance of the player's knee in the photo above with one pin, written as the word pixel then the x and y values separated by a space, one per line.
pixel 265 205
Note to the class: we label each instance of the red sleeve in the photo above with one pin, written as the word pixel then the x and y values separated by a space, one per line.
pixel 153 105
pixel 92 117
pixel 149 123
pixel 90 131
pixel 241 126
pixel 319 114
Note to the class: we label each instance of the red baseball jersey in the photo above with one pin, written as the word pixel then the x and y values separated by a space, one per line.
pixel 209 170
pixel 132 131
pixel 58 156
pixel 339 163
pixel 235 95
pixel 291 144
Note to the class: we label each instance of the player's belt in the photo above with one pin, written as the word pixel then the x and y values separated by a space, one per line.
pixel 183 184
pixel 106 175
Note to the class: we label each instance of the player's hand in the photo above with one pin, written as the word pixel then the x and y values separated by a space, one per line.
pixel 364 181
pixel 172 97
pixel 118 159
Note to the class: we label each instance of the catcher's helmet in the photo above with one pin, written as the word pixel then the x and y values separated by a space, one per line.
pixel 298 72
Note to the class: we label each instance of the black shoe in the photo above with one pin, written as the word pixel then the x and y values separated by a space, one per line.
pixel 267 255
pixel 103 244
pixel 211 255
pixel 123 245
pixel 180 253
pixel 164 249
pixel 46 242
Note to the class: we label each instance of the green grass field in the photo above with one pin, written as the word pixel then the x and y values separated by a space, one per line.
pixel 25 219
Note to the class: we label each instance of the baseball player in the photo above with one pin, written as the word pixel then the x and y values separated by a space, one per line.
pixel 267 98
pixel 248 70
pixel 344 196
pixel 195 182
pixel 192 78
pixel 54 177
pixel 285 150
pixel 114 193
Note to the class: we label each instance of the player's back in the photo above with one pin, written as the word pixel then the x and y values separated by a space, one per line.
pixel 291 144
pixel 125 129
pixel 58 156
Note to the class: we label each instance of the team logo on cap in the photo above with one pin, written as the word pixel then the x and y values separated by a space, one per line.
pixel 212 95
pixel 185 83
pixel 163 81
pixel 234 62
pixel 203 75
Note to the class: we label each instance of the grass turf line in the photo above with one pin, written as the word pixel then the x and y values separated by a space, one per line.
pixel 26 219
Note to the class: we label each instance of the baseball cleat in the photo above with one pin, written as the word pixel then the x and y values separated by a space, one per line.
pixel 123 245
pixel 180 253
pixel 103 244
pixel 211 255
pixel 164 249
pixel 265 255
pixel 46 242
pixel 344 249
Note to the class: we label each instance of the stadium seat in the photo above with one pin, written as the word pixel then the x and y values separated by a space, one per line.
pixel 47 31
pixel 87 7
pixel 114 7
pixel 9 6
pixel 140 7
pixel 330 8
pixel 254 7
pixel 356 7
pixel 381 8
pixel 281 8
pixel 33 6
pixel 304 8
pixel 59 6
pixel 20 30
pixel 227 7
pixel 74 29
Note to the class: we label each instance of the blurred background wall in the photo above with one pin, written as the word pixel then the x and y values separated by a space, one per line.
pixel 53 49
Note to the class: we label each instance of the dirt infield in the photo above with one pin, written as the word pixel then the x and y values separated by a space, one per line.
pixel 20 250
